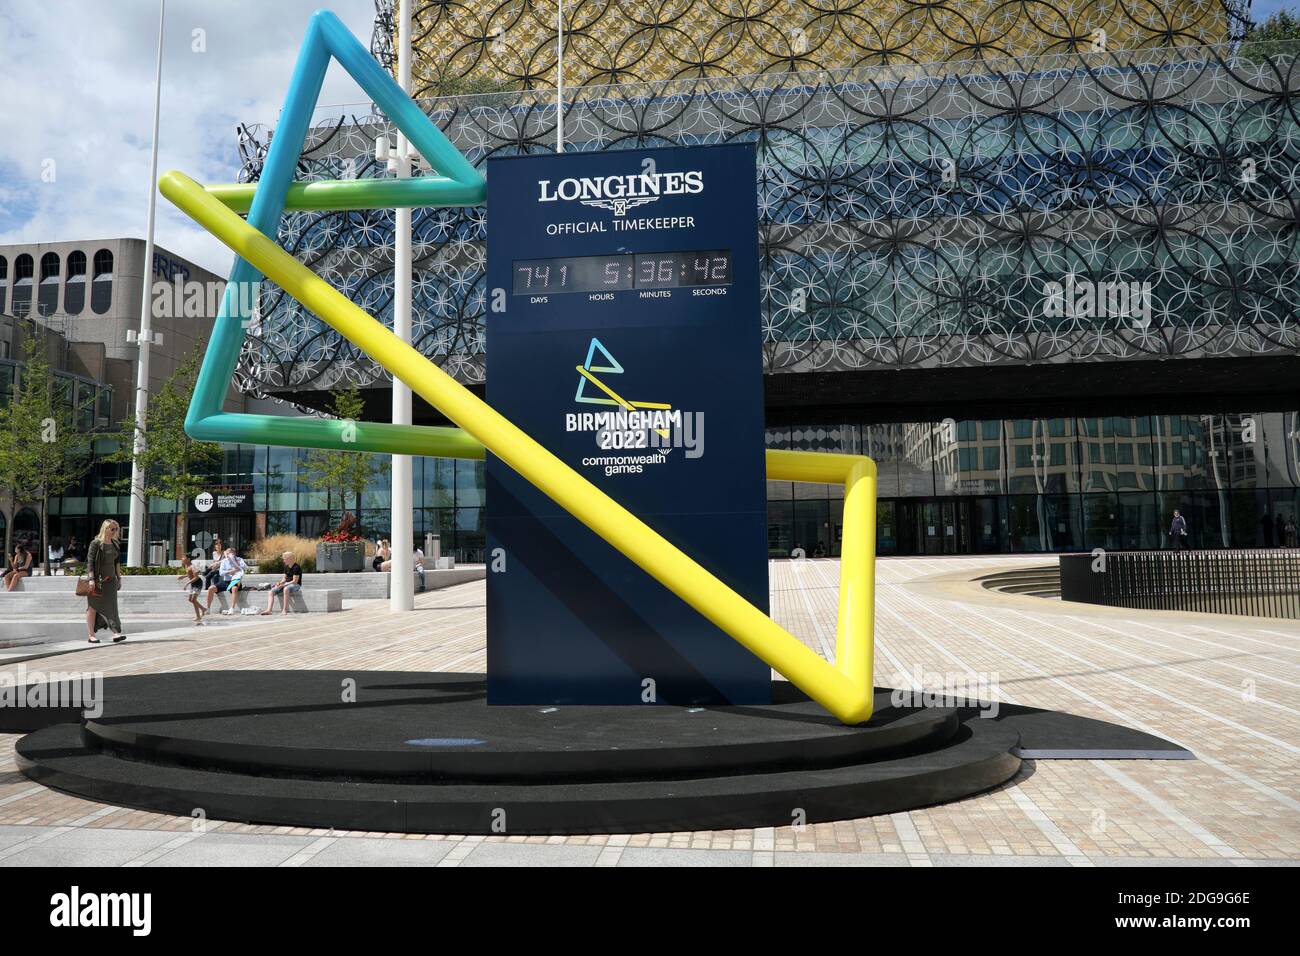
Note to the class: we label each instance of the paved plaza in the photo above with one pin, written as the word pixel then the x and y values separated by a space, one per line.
pixel 1224 687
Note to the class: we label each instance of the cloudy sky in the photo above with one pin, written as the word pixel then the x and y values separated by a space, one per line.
pixel 76 89
pixel 77 93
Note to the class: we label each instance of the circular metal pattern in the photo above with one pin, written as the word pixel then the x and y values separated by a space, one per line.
pixel 909 215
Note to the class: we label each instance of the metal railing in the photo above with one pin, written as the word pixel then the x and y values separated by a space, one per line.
pixel 1257 583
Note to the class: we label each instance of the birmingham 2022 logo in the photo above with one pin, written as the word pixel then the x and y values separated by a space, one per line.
pixel 648 430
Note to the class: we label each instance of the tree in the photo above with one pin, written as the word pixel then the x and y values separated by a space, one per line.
pixel 42 451
pixel 342 472
pixel 1282 25
pixel 1278 36
pixel 175 466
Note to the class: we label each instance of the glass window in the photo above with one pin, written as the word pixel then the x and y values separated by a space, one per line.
pixel 812 527
pixel 1063 526
pixel 47 297
pixel 74 287
pixel 469 484
pixel 378 493
pixel 1100 522
pixel 876 440
pixel 970 465
pixel 1206 516
pixel 85 408
pixel 377 523
pixel 780 528
pixel 1191 452
pixel 911 445
pixel 1264 449
pixel 281 522
pixel 442 522
pixel 1112 447
pixel 1044 523
pixel 1023 521
pixel 23 272
pixel 438 482
pixel 4 283
pixel 469 535
pixel 101 288
pixel 104 407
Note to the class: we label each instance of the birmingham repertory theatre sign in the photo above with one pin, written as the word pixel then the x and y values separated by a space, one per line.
pixel 624 286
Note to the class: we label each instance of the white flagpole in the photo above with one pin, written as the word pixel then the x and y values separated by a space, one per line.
pixel 559 76
pixel 402 579
pixel 137 528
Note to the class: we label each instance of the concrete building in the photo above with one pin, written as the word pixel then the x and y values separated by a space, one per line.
pixel 83 297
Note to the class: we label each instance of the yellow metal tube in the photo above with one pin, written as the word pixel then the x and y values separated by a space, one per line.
pixel 845 691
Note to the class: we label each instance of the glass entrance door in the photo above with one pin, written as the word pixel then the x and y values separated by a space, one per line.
pixel 979 526
pixel 235 531
pixel 936 527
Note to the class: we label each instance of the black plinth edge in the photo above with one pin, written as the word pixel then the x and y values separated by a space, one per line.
pixel 421 752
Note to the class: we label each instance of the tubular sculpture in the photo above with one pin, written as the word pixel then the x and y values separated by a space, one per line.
pixel 844 688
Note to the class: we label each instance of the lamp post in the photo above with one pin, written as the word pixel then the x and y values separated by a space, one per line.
pixel 401 580
pixel 559 76
pixel 138 533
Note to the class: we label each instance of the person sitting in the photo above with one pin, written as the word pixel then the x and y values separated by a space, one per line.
pixel 212 583
pixel 193 585
pixel 237 567
pixel 55 552
pixel 383 560
pixel 417 565
pixel 291 584
pixel 229 574
pixel 20 566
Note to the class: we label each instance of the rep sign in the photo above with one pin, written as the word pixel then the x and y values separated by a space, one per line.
pixel 224 500
pixel 623 334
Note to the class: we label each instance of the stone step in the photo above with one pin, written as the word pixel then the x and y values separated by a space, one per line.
pixel 31 632
pixel 363 585
pixel 173 600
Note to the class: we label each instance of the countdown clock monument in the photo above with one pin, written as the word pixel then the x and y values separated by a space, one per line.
pixel 630 652
pixel 622 335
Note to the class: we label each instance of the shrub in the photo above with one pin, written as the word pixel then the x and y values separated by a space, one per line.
pixel 267 551
pixel 275 565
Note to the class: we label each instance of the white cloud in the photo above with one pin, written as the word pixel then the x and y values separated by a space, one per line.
pixel 78 92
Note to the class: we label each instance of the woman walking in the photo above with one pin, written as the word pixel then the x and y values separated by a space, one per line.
pixel 102 562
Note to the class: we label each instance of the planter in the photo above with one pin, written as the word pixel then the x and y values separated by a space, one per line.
pixel 341 556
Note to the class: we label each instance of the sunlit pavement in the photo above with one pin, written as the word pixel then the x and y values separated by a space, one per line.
pixel 1224 687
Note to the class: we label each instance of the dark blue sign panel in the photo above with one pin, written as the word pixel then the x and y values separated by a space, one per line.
pixel 623 334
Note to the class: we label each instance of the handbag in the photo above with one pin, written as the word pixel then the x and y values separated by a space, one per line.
pixel 86 587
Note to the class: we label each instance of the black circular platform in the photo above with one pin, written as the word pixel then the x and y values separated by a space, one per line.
pixel 422 752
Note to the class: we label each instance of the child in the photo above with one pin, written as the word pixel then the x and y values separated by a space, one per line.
pixel 193 587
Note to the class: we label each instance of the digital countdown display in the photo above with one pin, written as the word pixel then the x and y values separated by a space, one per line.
pixel 623 325
pixel 619 272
